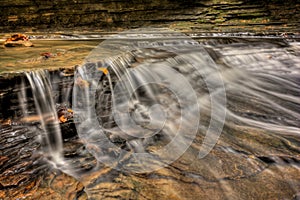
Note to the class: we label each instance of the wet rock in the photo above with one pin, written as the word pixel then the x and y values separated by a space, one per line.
pixel 78 160
pixel 57 185
pixel 52 185
pixel 21 164
pixel 13 86
pixel 18 40
pixel 24 171
pixel 68 130
pixel 64 113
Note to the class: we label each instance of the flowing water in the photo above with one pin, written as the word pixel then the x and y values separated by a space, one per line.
pixel 168 116
pixel 42 89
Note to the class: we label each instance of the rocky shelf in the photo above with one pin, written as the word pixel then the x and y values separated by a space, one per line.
pixel 26 172
pixel 109 15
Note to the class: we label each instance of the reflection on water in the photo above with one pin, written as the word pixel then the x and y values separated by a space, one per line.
pixel 136 94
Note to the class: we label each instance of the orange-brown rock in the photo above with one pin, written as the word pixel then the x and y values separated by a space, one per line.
pixel 18 40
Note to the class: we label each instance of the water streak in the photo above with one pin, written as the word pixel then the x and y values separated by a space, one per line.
pixel 44 102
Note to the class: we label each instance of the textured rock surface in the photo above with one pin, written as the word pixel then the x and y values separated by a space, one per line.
pixel 24 172
pixel 14 88
pixel 208 15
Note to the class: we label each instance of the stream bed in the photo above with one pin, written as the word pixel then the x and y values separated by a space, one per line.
pixel 151 114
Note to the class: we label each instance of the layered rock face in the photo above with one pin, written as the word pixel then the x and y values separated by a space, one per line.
pixel 25 171
pixel 109 15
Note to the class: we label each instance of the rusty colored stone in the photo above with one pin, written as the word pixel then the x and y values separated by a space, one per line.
pixel 18 40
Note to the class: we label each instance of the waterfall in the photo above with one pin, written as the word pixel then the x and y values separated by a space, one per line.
pixel 44 102
pixel 157 112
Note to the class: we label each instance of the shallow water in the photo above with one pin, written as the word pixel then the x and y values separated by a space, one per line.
pixel 229 107
pixel 63 54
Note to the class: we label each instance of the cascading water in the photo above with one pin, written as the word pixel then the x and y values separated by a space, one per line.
pixel 44 101
pixel 139 97
pixel 150 97
pixel 183 114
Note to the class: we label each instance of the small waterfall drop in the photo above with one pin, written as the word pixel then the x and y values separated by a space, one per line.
pixel 137 102
pixel 44 102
